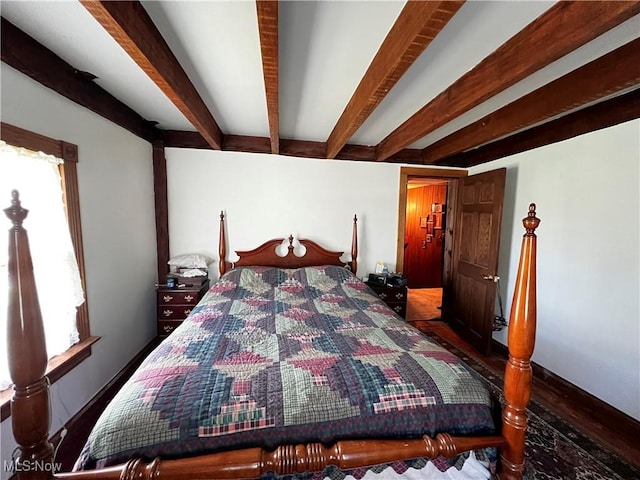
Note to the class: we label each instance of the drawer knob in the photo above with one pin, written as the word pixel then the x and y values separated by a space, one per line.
pixel 187 311
pixel 383 296
pixel 167 313
pixel 167 298
pixel 397 308
pixel 188 298
pixel 167 328
pixel 399 295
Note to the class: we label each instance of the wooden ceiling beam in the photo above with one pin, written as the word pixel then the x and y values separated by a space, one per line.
pixel 606 113
pixel 132 28
pixel 298 148
pixel 605 76
pixel 414 29
pixel 268 28
pixel 28 56
pixel 302 148
pixel 184 139
pixel 560 30
pixel 246 143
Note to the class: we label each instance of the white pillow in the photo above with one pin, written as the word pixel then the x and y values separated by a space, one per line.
pixel 190 260
pixel 193 272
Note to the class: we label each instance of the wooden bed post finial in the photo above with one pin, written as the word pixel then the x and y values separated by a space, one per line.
pixel 27 353
pixel 522 332
pixel 531 222
pixel 15 212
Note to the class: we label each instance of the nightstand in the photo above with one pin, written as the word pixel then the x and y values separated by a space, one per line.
pixel 175 304
pixel 395 297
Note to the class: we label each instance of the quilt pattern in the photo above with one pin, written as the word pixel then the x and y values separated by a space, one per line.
pixel 272 356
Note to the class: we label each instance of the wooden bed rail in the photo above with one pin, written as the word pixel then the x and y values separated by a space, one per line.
pixel 250 463
pixel 30 410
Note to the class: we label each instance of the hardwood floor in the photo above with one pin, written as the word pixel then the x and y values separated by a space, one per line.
pixel 620 435
pixel 424 304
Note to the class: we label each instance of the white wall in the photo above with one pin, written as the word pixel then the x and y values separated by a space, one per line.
pixel 118 226
pixel 269 196
pixel 586 190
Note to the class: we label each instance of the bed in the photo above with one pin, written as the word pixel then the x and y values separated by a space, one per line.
pixel 288 366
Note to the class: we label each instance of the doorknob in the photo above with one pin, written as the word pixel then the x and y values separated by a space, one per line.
pixel 492 278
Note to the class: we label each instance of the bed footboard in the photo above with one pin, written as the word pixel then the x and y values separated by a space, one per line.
pixel 289 459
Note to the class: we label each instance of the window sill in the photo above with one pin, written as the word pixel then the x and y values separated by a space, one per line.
pixel 57 367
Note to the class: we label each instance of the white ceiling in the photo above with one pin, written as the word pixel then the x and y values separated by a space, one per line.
pixel 325 48
pixel 67 29
pixel 218 46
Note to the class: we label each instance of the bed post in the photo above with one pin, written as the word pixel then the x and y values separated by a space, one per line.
pixel 354 246
pixel 522 332
pixel 30 410
pixel 222 247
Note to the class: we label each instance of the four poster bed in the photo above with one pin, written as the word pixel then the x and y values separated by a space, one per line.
pixel 287 365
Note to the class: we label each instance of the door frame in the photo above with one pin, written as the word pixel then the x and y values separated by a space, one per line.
pixel 426 172
pixel 452 175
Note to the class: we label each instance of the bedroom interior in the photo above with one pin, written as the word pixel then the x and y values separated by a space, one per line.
pixel 563 165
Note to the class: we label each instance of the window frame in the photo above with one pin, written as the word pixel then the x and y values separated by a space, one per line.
pixel 59 365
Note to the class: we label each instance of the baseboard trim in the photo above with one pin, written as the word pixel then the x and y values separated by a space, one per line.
pixel 600 410
pixel 79 426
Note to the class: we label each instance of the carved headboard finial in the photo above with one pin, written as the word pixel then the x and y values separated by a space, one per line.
pixel 531 222
pixel 15 212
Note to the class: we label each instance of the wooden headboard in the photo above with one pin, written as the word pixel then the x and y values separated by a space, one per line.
pixel 265 255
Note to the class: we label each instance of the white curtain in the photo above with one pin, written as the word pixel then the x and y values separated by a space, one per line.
pixel 36 176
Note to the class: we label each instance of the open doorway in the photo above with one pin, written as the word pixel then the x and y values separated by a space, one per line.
pixel 471 219
pixel 427 199
pixel 425 224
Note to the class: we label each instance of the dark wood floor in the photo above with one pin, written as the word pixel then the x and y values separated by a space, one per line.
pixel 623 437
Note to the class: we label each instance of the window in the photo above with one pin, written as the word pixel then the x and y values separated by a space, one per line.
pixel 60 176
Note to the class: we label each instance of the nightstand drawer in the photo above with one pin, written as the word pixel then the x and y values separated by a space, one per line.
pixel 165 327
pixel 174 312
pixel 399 308
pixel 394 297
pixel 177 297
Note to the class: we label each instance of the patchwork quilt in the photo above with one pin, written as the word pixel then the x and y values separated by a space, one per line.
pixel 273 356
